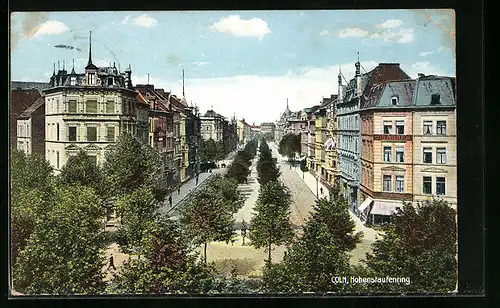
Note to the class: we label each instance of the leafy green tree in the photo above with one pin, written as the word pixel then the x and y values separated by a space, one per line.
pixel 130 165
pixel 266 166
pixel 420 242
pixel 207 219
pixel 210 151
pixel 227 189
pixel 290 145
pixel 222 151
pixel 169 265
pixel 80 169
pixel 271 223
pixel 29 172
pixel 319 254
pixel 136 211
pixel 238 171
pixel 64 254
pixel 31 196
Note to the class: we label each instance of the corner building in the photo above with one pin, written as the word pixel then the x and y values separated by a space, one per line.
pixel 87 111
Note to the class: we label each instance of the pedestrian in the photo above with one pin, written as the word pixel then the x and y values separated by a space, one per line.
pixel 111 263
pixel 321 190
pixel 170 200
pixel 178 190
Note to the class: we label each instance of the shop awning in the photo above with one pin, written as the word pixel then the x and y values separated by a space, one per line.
pixel 385 208
pixel 365 204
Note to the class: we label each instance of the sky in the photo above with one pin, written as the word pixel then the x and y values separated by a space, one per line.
pixel 243 63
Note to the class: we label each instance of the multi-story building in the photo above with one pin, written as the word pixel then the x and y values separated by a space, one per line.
pixel 310 140
pixel 31 128
pixel 268 129
pixel 408 145
pixel 387 148
pixel 212 126
pixel 435 139
pixel 322 136
pixel 244 131
pixel 330 145
pixel 349 124
pixel 160 127
pixel 87 111
pixel 193 127
pixel 20 100
pixel 232 135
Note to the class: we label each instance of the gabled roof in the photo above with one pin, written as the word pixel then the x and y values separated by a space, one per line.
pixel 26 114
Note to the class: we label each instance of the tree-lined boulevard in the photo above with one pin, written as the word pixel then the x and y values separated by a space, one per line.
pixel 253 226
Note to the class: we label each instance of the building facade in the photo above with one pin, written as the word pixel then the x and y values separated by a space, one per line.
pixel 349 123
pixel 87 111
pixel 31 129
pixel 268 130
pixel 212 126
pixel 21 99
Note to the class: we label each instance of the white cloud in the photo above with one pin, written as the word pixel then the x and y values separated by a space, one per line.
pixel 352 32
pixel 145 21
pixel 390 23
pixel 102 62
pixel 402 36
pixel 426 53
pixel 51 27
pixel 290 55
pixel 254 27
pixel 200 63
pixel 324 33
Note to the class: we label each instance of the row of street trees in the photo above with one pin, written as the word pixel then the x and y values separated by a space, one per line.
pixel 242 162
pixel 271 223
pixel 419 244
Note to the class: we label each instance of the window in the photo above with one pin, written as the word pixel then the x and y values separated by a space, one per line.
pixel 441 127
pixel 400 154
pixel 110 107
pixel 73 81
pixel 400 127
pixel 400 183
pixel 387 127
pixel 57 161
pixel 110 81
pixel 110 133
pixel 435 99
pixel 72 133
pixel 91 133
pixel 427 185
pixel 92 80
pixel 91 107
pixel 57 131
pixel 427 127
pixel 427 155
pixel 440 186
pixel 72 106
pixel 394 100
pixel 387 183
pixel 441 155
pixel 387 154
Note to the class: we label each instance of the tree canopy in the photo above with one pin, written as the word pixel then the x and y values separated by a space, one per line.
pixel 271 223
pixel 289 145
pixel 420 242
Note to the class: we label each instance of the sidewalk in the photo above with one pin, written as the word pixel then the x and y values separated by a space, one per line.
pixel 190 185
